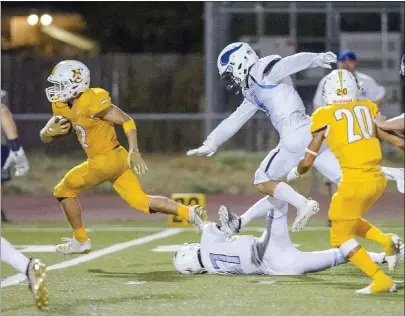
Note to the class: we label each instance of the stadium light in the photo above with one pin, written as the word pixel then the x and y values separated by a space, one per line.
pixel 46 19
pixel 32 19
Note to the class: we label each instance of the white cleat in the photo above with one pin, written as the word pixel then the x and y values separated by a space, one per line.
pixel 230 222
pixel 72 246
pixel 198 217
pixel 304 213
pixel 393 260
pixel 368 290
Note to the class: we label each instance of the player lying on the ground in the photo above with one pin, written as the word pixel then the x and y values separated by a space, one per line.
pixel 91 115
pixel 347 126
pixel 34 269
pixel 12 153
pixel 272 253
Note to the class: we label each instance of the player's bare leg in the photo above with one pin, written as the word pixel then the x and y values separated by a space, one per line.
pixel 81 242
pixel 196 215
pixel 282 191
pixel 33 268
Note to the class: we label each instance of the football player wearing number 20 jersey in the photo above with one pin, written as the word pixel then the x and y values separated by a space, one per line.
pixel 89 112
pixel 348 128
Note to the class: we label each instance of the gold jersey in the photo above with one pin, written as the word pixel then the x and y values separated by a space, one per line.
pixel 351 133
pixel 94 135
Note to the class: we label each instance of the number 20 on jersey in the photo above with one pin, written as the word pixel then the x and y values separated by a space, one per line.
pixel 363 118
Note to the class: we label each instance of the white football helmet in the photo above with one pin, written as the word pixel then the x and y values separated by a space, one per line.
pixel 69 78
pixel 233 64
pixel 187 260
pixel 402 69
pixel 341 86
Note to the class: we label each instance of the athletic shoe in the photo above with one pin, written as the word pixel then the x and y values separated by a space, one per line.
pixel 36 279
pixel 396 251
pixel 71 246
pixel 304 213
pixel 198 217
pixel 230 222
pixel 381 285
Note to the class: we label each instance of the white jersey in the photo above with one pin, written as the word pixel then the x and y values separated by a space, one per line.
pixel 269 89
pixel 222 255
pixel 272 253
pixel 371 90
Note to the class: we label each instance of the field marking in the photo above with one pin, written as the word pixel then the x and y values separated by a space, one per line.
pixel 154 229
pixel 135 282
pixel 35 248
pixel 17 278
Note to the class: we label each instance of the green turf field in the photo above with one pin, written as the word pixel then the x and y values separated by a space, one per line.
pixel 139 281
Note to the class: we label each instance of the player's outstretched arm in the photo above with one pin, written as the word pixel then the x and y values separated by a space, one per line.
pixel 115 115
pixel 225 130
pixel 391 137
pixel 16 156
pixel 396 123
pixel 298 62
pixel 8 124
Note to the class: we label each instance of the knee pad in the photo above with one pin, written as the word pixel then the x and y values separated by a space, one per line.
pixel 62 192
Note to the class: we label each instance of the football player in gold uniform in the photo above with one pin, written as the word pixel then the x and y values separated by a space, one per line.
pixel 348 127
pixel 91 114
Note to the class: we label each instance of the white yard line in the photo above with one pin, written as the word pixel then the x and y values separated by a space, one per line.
pixel 15 279
pixel 154 229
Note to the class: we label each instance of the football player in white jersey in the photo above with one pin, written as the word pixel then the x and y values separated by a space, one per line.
pixel 371 90
pixel 272 253
pixel 266 86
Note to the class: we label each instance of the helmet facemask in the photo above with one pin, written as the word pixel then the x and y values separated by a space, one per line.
pixel 59 91
pixel 233 84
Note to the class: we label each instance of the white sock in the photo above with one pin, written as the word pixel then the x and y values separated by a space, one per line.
pixel 286 193
pixel 377 257
pixel 13 257
pixel 261 208
pixel 258 210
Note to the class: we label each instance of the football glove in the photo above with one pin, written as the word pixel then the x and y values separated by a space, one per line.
pixel 136 162
pixel 57 126
pixel 324 59
pixel 19 161
pixel 293 175
pixel 204 150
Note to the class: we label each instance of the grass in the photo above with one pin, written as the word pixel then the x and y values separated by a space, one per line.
pixel 229 172
pixel 99 287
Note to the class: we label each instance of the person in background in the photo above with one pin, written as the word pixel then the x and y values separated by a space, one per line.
pixel 12 153
pixel 371 90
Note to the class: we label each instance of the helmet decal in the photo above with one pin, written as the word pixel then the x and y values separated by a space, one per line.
pixel 77 75
pixel 225 57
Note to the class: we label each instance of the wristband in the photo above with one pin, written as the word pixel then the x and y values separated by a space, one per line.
pixel 129 126
pixel 311 152
pixel 15 144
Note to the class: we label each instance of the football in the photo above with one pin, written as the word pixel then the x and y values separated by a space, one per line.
pixel 58 118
